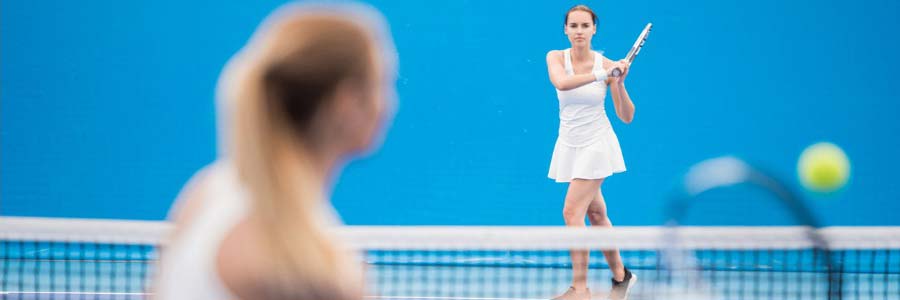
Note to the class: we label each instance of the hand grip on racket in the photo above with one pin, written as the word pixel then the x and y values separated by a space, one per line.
pixel 616 72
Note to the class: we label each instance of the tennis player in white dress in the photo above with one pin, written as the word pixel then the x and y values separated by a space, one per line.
pixel 587 149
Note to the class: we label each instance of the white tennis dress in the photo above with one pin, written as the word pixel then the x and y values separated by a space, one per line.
pixel 587 147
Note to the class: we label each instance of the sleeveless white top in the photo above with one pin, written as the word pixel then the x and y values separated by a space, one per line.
pixel 188 263
pixel 582 117
pixel 587 147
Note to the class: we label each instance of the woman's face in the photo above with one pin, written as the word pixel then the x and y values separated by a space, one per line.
pixel 374 108
pixel 383 101
pixel 580 28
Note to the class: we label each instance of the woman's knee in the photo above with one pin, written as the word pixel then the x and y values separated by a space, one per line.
pixel 599 218
pixel 572 215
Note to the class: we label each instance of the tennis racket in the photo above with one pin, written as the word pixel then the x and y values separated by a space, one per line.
pixel 634 49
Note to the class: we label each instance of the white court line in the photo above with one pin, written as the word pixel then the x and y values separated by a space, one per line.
pixel 367 297
pixel 86 261
pixel 75 293
pixel 447 298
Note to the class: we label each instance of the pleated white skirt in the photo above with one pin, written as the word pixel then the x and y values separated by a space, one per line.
pixel 600 159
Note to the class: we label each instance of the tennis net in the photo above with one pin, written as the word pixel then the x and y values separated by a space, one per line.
pixel 96 259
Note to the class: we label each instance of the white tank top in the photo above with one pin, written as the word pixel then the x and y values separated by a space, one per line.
pixel 188 266
pixel 582 117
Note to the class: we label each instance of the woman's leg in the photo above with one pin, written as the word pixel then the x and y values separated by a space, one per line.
pixel 598 217
pixel 578 198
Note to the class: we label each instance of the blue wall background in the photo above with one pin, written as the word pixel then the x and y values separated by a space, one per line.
pixel 107 106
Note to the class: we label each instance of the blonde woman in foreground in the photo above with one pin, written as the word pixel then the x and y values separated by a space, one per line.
pixel 311 90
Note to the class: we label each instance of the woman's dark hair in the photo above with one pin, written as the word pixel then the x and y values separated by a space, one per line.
pixel 584 8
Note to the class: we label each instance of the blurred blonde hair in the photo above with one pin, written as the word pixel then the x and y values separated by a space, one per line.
pixel 273 90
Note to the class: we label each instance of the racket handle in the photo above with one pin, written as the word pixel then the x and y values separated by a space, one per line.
pixel 615 72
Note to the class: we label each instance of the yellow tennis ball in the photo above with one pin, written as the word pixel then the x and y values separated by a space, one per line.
pixel 823 167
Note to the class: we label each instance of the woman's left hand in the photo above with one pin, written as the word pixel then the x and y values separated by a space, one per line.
pixel 624 66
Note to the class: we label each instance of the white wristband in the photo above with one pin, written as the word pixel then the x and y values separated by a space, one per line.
pixel 600 76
